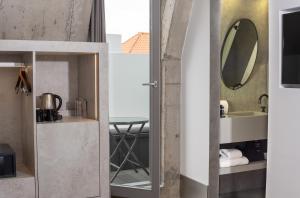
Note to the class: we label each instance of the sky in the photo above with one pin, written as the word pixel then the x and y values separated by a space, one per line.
pixel 127 17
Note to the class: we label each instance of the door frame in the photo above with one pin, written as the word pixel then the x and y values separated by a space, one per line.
pixel 155 110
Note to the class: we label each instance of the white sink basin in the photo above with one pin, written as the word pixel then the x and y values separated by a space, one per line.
pixel 243 126
pixel 246 113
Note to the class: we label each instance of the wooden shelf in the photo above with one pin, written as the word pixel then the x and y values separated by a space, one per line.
pixel 23 185
pixel 244 168
pixel 257 193
pixel 11 65
pixel 22 172
pixel 70 119
pixel 51 46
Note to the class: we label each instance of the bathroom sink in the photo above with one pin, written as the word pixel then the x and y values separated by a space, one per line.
pixel 243 126
pixel 246 113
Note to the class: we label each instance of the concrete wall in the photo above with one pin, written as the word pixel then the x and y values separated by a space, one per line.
pixel 195 102
pixel 246 98
pixel 283 156
pixel 127 96
pixel 45 20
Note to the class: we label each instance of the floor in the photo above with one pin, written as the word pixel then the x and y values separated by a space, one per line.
pixel 131 178
pixel 256 193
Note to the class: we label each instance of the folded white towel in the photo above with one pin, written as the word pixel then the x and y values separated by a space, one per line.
pixel 231 153
pixel 225 162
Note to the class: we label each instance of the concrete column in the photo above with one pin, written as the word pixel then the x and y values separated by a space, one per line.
pixel 175 18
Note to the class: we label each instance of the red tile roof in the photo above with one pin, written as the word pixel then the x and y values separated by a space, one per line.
pixel 138 44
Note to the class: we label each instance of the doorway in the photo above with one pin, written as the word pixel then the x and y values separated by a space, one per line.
pixel 243 99
pixel 133 35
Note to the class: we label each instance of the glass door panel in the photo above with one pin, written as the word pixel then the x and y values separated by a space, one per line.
pixel 133 98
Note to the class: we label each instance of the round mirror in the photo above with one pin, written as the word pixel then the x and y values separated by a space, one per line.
pixel 239 53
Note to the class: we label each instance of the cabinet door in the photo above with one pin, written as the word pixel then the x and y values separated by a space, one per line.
pixel 68 160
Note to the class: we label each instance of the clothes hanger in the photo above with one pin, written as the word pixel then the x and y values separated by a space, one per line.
pixel 23 85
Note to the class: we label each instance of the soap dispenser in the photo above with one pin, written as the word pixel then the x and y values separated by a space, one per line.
pixel 222 113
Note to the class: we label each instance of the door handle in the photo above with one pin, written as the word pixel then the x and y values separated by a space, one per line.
pixel 152 84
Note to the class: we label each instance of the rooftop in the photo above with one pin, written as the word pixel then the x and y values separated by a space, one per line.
pixel 138 44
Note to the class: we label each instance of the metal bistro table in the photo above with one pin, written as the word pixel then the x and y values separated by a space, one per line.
pixel 116 122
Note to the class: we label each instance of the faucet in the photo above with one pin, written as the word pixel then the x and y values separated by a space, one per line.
pixel 263 107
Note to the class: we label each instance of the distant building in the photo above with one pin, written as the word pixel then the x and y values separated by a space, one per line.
pixel 138 44
pixel 114 41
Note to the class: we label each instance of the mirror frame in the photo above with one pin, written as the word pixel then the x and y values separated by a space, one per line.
pixel 222 49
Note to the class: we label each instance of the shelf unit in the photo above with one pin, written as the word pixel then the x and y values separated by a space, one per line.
pixel 22 172
pixel 20 186
pixel 16 120
pixel 71 70
pixel 71 119
pixel 252 166
pixel 69 75
pixel 257 193
pixel 11 65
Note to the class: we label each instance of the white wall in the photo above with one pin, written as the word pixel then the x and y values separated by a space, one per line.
pixel 284 128
pixel 127 96
pixel 195 95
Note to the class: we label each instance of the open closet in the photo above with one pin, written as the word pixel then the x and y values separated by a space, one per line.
pixel 66 157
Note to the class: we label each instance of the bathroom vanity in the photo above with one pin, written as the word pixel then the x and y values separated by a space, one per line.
pixel 66 158
pixel 239 127
pixel 243 126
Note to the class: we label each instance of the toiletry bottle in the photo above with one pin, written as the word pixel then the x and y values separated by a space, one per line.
pixel 222 113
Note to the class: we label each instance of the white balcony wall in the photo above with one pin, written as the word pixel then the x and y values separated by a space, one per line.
pixel 127 96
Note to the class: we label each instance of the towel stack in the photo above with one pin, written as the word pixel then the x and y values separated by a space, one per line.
pixel 232 157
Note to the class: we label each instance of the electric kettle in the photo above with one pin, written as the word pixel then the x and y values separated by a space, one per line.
pixel 48 101
pixel 48 108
